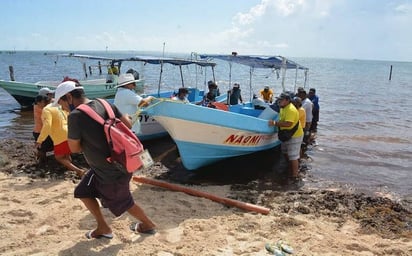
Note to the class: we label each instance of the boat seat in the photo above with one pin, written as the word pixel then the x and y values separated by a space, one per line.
pixel 194 95
pixel 245 110
pixel 250 111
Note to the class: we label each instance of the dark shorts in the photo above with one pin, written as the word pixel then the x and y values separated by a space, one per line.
pixel 116 196
pixel 46 145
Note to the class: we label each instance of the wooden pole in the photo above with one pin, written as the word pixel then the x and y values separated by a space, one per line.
pixel 85 70
pixel 100 68
pixel 11 71
pixel 193 192
pixel 390 74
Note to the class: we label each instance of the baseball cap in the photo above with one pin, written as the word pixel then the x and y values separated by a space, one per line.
pixel 284 95
pixel 44 91
pixel 64 88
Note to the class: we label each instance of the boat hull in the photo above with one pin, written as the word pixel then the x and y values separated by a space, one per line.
pixel 24 93
pixel 205 136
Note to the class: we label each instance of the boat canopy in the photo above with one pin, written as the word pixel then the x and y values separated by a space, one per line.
pixel 172 61
pixel 146 59
pixel 273 62
pixel 278 63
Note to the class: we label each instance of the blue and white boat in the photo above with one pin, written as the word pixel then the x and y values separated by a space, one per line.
pixel 207 135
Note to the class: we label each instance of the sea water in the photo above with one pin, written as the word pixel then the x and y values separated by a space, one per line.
pixel 364 133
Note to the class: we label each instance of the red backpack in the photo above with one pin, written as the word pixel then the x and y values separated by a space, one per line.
pixel 124 145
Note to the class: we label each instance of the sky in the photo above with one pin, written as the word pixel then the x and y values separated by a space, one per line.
pixel 348 29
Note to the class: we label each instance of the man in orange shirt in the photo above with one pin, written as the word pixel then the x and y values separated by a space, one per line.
pixel 267 94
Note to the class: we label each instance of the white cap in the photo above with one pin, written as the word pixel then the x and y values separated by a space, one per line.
pixel 44 91
pixel 63 89
pixel 126 79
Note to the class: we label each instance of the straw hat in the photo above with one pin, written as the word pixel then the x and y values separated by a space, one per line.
pixel 125 79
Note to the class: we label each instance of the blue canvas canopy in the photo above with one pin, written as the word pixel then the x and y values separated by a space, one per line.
pixel 274 62
pixel 277 63
pixel 146 59
pixel 166 60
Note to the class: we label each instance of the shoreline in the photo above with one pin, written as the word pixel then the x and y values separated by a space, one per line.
pixel 39 214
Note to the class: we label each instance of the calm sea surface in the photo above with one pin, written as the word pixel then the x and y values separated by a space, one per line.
pixel 364 134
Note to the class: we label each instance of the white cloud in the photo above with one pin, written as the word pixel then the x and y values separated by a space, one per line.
pixel 256 31
pixel 404 8
pixel 235 33
pixel 282 7
pixel 288 7
pixel 254 13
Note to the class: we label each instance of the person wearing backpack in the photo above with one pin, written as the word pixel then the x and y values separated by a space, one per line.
pixel 105 180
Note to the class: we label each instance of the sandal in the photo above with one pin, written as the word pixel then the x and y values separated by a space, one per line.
pixel 137 227
pixel 90 235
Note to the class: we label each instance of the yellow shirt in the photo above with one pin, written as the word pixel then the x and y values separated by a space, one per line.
pixel 289 113
pixel 302 117
pixel 54 125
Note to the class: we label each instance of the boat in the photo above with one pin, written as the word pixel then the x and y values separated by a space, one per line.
pixel 206 135
pixel 24 92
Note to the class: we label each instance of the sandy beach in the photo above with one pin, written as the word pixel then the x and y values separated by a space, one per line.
pixel 39 215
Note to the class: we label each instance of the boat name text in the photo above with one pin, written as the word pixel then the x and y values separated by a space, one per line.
pixel 243 140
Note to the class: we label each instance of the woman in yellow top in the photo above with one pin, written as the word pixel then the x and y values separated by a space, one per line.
pixel 55 125
pixel 39 103
pixel 267 94
pixel 288 118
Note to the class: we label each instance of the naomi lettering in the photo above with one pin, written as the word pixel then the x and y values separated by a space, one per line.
pixel 243 140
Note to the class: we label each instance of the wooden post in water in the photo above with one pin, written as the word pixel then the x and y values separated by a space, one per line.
pixel 100 68
pixel 11 71
pixel 390 74
pixel 84 69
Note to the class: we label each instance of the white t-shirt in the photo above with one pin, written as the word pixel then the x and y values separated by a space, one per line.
pixel 127 101
pixel 259 102
pixel 308 105
pixel 185 100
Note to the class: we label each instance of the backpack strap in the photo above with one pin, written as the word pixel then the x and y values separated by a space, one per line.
pixel 108 108
pixel 93 114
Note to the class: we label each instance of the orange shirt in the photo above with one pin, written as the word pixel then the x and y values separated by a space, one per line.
pixel 38 123
pixel 267 95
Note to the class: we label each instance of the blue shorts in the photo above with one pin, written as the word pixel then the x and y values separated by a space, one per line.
pixel 116 196
pixel 292 148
